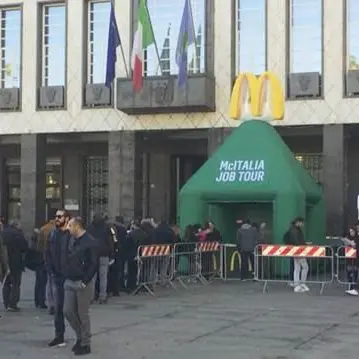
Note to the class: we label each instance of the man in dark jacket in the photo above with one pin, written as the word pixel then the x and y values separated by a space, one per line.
pixel 81 266
pixel 16 246
pixel 247 239
pixel 100 230
pixel 116 277
pixel 55 258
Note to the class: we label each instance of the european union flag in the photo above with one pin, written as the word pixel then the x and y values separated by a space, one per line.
pixel 114 42
pixel 186 37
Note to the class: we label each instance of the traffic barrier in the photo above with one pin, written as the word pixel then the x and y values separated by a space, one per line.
pixel 153 267
pixel 186 264
pixel 209 257
pixel 276 264
pixel 347 266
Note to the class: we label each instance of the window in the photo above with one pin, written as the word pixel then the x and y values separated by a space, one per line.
pixel 352 35
pixel 98 23
pixel 166 19
pixel 53 45
pixel 10 47
pixel 251 36
pixel 305 40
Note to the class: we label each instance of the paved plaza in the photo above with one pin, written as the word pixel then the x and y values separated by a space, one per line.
pixel 219 321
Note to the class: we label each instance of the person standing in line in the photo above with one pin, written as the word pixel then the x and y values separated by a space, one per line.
pixel 80 269
pixel 55 257
pixel 247 239
pixel 4 263
pixel 295 237
pixel 16 246
pixel 42 243
pixel 100 230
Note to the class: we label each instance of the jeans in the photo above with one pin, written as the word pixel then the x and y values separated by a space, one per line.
pixel 300 270
pixel 50 291
pixel 246 258
pixel 353 276
pixel 40 286
pixel 102 277
pixel 59 307
pixel 11 289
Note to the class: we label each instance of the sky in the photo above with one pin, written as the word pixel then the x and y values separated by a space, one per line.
pixel 305 37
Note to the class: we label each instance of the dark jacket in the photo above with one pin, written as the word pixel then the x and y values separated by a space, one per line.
pixel 56 252
pixel 295 236
pixel 164 234
pixel 16 246
pixel 150 233
pixel 121 235
pixel 100 230
pixel 214 236
pixel 247 238
pixel 82 260
pixel 137 237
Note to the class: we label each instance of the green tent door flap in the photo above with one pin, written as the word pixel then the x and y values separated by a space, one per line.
pixel 256 167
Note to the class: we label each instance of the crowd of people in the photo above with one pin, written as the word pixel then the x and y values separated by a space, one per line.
pixel 76 265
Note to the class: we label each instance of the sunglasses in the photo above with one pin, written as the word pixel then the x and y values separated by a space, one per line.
pixel 59 216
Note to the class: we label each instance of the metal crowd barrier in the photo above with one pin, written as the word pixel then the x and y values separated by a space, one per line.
pixel 186 264
pixel 153 267
pixel 209 258
pixel 275 264
pixel 347 266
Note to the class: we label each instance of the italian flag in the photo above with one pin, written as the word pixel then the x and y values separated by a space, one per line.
pixel 143 38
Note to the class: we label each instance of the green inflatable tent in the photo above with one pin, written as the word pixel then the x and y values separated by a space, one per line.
pixel 253 175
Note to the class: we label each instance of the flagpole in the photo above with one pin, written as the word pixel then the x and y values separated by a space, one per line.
pixel 153 34
pixel 124 60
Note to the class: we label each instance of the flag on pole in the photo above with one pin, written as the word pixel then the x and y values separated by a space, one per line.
pixel 114 42
pixel 143 38
pixel 186 37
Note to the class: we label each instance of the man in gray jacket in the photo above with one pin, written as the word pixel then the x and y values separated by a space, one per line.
pixel 247 239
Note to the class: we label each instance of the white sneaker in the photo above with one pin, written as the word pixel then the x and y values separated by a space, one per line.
pixel 298 289
pixel 305 288
pixel 352 292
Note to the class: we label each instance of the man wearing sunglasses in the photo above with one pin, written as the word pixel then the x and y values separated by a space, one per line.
pixel 55 257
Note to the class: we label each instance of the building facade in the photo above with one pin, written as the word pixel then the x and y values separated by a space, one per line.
pixel 68 141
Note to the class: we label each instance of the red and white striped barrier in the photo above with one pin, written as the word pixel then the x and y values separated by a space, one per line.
pixel 156 251
pixel 293 251
pixel 208 247
pixel 350 252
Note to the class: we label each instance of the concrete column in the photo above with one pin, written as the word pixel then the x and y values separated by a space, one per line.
pixel 121 174
pixel 33 181
pixel 334 178
pixel 216 137
pixel 159 196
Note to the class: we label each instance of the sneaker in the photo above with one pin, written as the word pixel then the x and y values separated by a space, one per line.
pixel 305 288
pixel 102 301
pixel 83 350
pixel 77 346
pixel 57 342
pixel 352 292
pixel 13 309
pixel 298 289
pixel 291 284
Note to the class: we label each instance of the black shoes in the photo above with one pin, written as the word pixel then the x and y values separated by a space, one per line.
pixel 57 342
pixel 77 346
pixel 41 306
pixel 83 350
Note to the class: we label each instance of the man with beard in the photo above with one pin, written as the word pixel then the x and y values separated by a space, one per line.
pixel 55 257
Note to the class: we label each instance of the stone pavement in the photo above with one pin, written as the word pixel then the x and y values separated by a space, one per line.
pixel 218 321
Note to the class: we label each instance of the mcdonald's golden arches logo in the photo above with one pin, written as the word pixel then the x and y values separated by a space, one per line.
pixel 236 255
pixel 257 91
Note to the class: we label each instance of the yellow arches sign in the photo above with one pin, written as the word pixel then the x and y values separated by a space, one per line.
pixel 257 91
